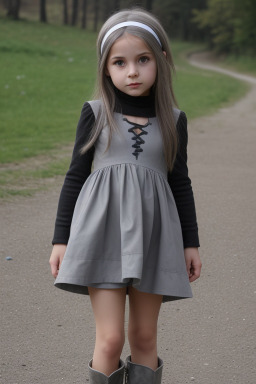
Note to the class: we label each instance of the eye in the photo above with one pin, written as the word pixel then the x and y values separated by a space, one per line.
pixel 144 59
pixel 119 63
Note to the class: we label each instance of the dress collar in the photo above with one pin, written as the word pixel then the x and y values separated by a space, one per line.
pixel 141 106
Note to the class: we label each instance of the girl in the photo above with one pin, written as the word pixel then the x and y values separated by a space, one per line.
pixel 134 228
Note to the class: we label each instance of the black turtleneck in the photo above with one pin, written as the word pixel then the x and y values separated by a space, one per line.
pixel 140 106
pixel 80 169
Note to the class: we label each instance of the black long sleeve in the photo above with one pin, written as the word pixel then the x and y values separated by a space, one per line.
pixel 79 170
pixel 180 184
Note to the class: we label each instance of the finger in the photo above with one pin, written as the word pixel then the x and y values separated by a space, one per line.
pixel 189 267
pixel 54 269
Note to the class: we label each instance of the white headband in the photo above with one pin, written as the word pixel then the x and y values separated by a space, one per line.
pixel 127 24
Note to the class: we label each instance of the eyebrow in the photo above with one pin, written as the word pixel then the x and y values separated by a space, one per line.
pixel 116 57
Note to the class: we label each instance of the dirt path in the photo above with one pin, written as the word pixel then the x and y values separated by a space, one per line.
pixel 205 60
pixel 47 335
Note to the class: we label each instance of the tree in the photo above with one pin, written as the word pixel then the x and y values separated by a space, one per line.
pixel 245 26
pixel 43 17
pixel 110 7
pixel 65 12
pixel 13 8
pixel 74 12
pixel 84 10
pixel 231 25
pixel 176 16
pixel 96 14
pixel 168 12
pixel 116 5
pixel 149 5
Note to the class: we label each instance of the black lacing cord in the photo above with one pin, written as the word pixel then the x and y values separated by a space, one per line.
pixel 137 136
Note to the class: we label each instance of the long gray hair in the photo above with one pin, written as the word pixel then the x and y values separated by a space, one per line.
pixel 163 90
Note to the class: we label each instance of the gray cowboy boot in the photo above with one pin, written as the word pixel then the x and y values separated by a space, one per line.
pixel 96 377
pixel 139 374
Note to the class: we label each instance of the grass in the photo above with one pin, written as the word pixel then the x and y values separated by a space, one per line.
pixel 242 63
pixel 200 92
pixel 24 182
pixel 47 74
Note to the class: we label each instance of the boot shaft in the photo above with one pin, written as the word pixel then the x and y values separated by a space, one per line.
pixel 96 377
pixel 140 374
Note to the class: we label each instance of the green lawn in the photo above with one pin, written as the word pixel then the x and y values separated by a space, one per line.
pixel 243 63
pixel 47 72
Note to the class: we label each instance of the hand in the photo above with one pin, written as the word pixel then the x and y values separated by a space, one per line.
pixel 193 263
pixel 56 258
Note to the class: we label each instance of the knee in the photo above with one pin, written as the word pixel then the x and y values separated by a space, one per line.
pixel 112 345
pixel 143 338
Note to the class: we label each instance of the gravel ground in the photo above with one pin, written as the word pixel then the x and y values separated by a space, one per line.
pixel 47 335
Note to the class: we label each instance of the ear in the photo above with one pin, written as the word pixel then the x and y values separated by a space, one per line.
pixel 164 53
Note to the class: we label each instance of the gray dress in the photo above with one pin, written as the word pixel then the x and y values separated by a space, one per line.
pixel 125 228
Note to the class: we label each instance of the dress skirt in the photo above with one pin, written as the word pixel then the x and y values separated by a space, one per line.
pixel 126 230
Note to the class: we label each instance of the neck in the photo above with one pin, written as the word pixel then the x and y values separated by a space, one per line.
pixel 141 106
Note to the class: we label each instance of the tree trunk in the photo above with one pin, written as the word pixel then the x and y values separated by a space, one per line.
pixel 149 5
pixel 65 12
pixel 96 15
pixel 74 12
pixel 84 9
pixel 106 10
pixel 6 4
pixel 9 8
pixel 43 17
pixel 116 6
pixel 13 9
pixel 17 9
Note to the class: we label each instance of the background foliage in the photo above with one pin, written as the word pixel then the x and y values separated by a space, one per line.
pixel 226 25
pixel 231 25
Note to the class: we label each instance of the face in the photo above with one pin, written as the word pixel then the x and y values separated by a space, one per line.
pixel 131 66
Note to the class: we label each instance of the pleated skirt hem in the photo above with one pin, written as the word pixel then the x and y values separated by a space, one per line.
pixel 173 287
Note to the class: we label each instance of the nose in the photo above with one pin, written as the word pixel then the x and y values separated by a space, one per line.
pixel 133 70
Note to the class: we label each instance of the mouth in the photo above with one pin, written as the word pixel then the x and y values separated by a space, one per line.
pixel 134 85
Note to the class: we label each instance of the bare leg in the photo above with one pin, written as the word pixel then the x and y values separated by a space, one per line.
pixel 142 330
pixel 108 307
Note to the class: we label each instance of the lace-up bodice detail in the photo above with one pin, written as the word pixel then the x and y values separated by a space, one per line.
pixel 138 130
